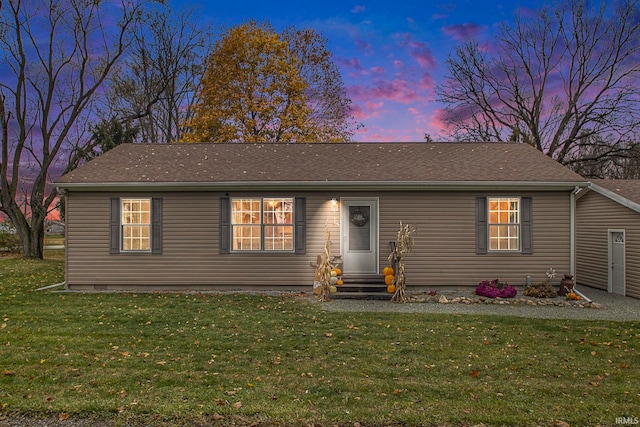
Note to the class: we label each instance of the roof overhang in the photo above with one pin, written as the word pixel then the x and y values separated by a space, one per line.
pixel 615 197
pixel 326 185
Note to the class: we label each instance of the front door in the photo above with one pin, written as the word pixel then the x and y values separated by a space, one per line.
pixel 616 262
pixel 359 235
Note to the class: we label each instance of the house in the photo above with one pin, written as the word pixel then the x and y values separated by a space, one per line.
pixel 608 236
pixel 254 216
pixel 54 227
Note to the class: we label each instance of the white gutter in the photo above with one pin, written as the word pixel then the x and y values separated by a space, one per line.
pixel 572 232
pixel 323 185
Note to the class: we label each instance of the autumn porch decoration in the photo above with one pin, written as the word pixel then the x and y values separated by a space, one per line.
pixel 404 246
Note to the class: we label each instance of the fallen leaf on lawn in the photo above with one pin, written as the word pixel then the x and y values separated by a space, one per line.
pixel 475 373
pixel 237 405
pixel 63 417
pixel 593 383
pixel 161 363
pixel 397 391
pixel 217 417
pixel 328 335
pixel 8 373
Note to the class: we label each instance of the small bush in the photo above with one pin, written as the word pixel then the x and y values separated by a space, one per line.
pixel 495 289
pixel 540 290
pixel 10 243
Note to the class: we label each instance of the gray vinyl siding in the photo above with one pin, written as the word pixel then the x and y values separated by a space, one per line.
pixel 595 215
pixel 444 255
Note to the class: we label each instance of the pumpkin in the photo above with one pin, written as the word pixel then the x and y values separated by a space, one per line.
pixel 389 279
pixel 388 271
pixel 391 288
pixel 339 282
pixel 338 271
pixel 333 280
pixel 333 273
pixel 333 289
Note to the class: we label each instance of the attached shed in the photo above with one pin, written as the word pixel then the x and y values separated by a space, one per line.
pixel 254 216
pixel 608 236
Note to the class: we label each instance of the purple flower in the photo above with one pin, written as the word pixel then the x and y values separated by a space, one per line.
pixel 495 289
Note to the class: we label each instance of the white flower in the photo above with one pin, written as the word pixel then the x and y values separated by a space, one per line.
pixel 551 273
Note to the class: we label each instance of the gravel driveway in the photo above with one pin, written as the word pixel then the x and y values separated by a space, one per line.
pixel 613 307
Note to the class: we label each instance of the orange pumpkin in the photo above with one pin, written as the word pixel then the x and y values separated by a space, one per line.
pixel 389 279
pixel 388 271
pixel 338 271
pixel 339 282
pixel 391 288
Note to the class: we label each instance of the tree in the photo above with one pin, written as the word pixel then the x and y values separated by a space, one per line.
pixel 554 80
pixel 56 56
pixel 155 85
pixel 261 86
pixel 105 135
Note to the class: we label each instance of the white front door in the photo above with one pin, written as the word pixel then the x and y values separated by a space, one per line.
pixel 616 262
pixel 359 234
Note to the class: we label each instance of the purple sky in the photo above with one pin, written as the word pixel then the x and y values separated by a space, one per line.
pixel 391 53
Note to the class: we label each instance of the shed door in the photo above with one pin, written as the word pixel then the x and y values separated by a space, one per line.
pixel 616 262
pixel 359 230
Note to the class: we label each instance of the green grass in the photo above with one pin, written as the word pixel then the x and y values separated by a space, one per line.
pixel 189 359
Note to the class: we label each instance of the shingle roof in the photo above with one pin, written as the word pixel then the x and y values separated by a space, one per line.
pixel 624 191
pixel 321 162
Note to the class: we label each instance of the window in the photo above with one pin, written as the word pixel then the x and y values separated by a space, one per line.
pixel 504 224
pixel 136 224
pixel 262 224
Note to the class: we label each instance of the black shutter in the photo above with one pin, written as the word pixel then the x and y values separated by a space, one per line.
pixel 526 225
pixel 300 233
pixel 156 225
pixel 481 225
pixel 114 226
pixel 225 225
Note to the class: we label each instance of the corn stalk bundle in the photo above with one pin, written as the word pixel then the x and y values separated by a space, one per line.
pixel 325 269
pixel 404 246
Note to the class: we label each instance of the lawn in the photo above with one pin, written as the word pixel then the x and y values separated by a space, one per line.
pixel 212 359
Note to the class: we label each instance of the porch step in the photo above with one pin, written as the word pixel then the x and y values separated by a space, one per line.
pixel 362 286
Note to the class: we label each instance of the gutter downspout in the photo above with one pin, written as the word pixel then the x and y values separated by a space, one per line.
pixel 572 232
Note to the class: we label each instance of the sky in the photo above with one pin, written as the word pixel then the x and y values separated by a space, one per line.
pixel 391 54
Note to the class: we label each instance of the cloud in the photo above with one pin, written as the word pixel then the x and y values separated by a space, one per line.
pixel 463 31
pixel 359 8
pixel 350 63
pixel 419 51
pixel 378 133
pixel 364 47
pixel 422 54
pixel 370 109
pixel 397 90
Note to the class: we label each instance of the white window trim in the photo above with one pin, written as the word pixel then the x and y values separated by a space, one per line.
pixel 490 224
pixel 262 225
pixel 123 225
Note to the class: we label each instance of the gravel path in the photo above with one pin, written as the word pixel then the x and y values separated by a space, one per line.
pixel 613 307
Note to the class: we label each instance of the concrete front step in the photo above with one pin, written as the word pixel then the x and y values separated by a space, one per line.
pixel 362 286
